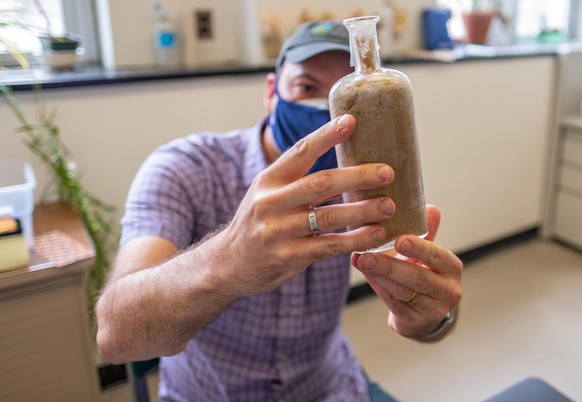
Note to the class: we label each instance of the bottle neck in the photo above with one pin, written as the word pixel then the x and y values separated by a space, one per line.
pixel 364 45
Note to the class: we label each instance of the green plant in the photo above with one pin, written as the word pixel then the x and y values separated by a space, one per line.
pixel 9 18
pixel 30 16
pixel 43 139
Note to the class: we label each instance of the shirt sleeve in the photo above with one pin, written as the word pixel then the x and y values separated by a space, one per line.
pixel 158 202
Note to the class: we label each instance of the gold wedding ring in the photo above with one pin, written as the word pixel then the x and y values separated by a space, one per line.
pixel 313 221
pixel 411 299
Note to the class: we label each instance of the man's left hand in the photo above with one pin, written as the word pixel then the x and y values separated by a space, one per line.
pixel 420 285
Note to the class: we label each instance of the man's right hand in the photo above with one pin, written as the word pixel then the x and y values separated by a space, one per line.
pixel 270 241
pixel 157 300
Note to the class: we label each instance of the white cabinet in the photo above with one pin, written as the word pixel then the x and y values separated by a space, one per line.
pixel 563 212
pixel 46 349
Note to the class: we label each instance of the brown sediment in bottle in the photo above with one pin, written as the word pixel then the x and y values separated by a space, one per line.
pixel 385 132
pixel 367 52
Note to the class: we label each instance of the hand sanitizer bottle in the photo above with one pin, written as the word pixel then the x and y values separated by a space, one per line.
pixel 166 39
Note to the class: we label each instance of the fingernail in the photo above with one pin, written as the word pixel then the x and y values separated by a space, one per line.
pixel 385 173
pixel 369 263
pixel 377 235
pixel 343 122
pixel 387 207
pixel 405 246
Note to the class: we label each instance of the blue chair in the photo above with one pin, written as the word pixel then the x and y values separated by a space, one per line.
pixel 530 389
pixel 377 394
pixel 137 376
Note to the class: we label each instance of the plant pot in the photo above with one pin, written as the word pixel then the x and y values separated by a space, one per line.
pixel 477 26
pixel 58 43
pixel 60 52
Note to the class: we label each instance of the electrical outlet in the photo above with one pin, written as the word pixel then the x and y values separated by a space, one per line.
pixel 204 24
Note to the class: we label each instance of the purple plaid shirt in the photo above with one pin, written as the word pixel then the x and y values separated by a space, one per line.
pixel 284 345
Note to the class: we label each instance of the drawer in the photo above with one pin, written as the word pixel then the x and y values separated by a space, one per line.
pixel 569 219
pixel 571 179
pixel 572 151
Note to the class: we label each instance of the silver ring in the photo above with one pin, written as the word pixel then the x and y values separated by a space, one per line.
pixel 313 221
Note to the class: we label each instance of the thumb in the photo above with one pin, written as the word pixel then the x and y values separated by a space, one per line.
pixel 433 216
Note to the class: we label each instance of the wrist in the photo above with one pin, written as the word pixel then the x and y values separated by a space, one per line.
pixel 443 327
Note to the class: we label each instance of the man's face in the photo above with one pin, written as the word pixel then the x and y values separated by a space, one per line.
pixel 314 77
pixel 308 80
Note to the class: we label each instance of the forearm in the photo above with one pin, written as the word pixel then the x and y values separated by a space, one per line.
pixel 155 311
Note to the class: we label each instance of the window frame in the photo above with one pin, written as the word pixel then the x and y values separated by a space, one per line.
pixel 79 16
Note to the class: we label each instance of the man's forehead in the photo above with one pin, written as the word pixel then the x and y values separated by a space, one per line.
pixel 324 61
pixel 323 69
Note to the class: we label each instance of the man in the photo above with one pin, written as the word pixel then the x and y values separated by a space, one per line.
pixel 227 270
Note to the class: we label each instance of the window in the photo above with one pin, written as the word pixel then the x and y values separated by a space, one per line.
pixel 525 19
pixel 22 20
pixel 535 16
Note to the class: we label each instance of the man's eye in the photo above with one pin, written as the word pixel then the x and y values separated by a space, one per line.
pixel 306 88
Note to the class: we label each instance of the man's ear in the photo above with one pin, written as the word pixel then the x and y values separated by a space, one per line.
pixel 269 93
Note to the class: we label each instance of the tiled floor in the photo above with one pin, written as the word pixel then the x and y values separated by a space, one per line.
pixel 521 316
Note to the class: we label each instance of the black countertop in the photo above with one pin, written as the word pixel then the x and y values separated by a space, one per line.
pixel 83 76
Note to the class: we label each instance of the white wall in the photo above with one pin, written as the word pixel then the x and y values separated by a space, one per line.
pixel 111 129
pixel 484 130
pixel 127 26
pixel 483 127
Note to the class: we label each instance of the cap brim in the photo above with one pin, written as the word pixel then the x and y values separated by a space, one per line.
pixel 308 51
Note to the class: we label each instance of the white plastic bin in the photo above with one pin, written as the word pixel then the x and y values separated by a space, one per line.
pixel 17 183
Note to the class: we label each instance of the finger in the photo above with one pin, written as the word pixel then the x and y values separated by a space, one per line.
pixel 408 275
pixel 386 285
pixel 416 312
pixel 399 292
pixel 296 161
pixel 333 217
pixel 333 244
pixel 316 187
pixel 429 253
pixel 433 216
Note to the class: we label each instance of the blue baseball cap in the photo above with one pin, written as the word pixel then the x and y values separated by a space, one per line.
pixel 311 39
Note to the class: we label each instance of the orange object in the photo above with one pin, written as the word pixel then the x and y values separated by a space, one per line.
pixel 477 26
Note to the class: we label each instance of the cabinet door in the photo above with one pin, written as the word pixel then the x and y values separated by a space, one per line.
pixel 45 347
pixel 571 179
pixel 569 202
pixel 572 151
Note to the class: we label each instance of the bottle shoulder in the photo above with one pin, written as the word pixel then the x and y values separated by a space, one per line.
pixel 382 78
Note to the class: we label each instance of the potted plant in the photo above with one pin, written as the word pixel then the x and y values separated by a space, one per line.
pixel 42 137
pixel 58 50
pixel 58 43
pixel 477 20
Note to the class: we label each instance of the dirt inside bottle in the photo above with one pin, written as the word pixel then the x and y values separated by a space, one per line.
pixel 381 101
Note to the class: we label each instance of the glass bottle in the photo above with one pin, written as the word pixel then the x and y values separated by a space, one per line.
pixel 381 101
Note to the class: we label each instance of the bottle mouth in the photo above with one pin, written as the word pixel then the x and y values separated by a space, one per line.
pixel 363 35
pixel 367 18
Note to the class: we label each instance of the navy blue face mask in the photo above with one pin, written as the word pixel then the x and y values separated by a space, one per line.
pixel 292 121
